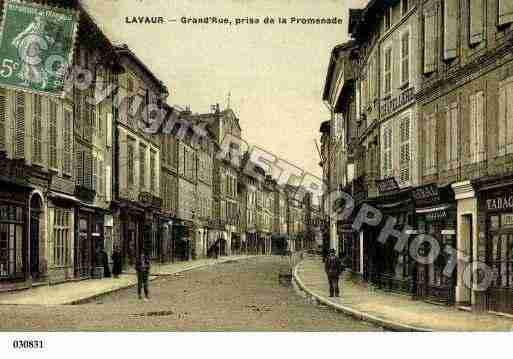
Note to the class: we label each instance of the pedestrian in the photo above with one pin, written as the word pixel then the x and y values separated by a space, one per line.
pixel 334 268
pixel 116 262
pixel 106 266
pixel 142 267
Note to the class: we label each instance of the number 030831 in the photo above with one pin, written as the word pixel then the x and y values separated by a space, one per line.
pixel 27 344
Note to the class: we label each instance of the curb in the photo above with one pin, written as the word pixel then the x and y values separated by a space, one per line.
pixel 152 278
pixel 384 323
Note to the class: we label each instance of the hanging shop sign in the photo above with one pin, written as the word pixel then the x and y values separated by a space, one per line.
pixel 387 185
pixel 36 46
pixel 426 195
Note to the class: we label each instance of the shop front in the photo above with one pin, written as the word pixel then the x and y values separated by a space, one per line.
pixel 387 267
pixel 23 259
pixel 496 223
pixel 435 209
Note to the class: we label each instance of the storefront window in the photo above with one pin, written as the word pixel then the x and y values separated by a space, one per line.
pixel 11 240
pixel 61 237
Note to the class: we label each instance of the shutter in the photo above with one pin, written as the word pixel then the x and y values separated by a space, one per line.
pixel 405 58
pixel 3 118
pixel 509 117
pixel 476 21
pixel 429 42
pixel 79 158
pixel 455 138
pixel 36 129
pixel 473 130
pixel 88 169
pixel 502 128
pixel 480 126
pixel 52 150
pixel 95 174
pixel 109 130
pixel 19 149
pixel 449 140
pixel 505 12
pixel 405 151
pixel 450 29
pixel 68 151
pixel 78 112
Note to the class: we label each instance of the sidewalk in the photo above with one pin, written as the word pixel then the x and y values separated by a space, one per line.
pixel 80 291
pixel 392 311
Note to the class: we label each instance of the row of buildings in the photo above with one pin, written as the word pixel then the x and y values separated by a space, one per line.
pixel 421 128
pixel 80 178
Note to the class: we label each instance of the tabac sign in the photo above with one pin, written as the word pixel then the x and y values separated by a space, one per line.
pixel 36 46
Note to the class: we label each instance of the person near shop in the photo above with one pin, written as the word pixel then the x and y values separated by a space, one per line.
pixel 116 262
pixel 142 267
pixel 334 268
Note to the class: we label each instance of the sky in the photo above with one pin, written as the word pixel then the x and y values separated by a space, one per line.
pixel 274 73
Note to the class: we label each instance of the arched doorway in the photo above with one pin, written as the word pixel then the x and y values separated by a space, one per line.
pixel 36 208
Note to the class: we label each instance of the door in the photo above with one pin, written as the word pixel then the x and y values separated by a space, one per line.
pixel 84 255
pixel 34 244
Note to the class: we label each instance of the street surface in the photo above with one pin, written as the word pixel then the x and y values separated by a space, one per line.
pixel 234 296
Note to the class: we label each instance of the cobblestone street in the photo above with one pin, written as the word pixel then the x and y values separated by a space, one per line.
pixel 237 296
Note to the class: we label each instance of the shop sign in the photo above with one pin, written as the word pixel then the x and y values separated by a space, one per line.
pixel 36 46
pixel 500 203
pixel 393 104
pixel 387 185
pixel 426 195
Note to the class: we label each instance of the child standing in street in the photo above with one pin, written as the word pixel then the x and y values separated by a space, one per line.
pixel 142 267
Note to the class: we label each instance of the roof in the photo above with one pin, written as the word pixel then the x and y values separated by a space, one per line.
pixel 331 67
pixel 360 19
pixel 124 50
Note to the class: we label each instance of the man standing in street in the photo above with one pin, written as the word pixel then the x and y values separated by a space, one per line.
pixel 334 268
pixel 143 272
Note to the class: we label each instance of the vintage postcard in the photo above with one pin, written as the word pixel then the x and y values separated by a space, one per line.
pixel 255 166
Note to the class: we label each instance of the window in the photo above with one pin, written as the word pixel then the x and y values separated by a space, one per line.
pixel 3 117
pixel 142 166
pixel 68 140
pixel 405 58
pixel 452 135
pixel 78 111
pixel 430 152
pixel 130 161
pixel 404 7
pixel 429 41
pixel 37 129
pixel 11 240
pixel 52 143
pixel 153 174
pixel 477 144
pixel 450 29
pixel 387 151
pixel 477 11
pixel 387 73
pixel 388 18
pixel 61 237
pixel 505 133
pixel 19 148
pixel 505 12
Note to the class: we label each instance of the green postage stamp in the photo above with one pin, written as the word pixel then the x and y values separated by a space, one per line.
pixel 36 46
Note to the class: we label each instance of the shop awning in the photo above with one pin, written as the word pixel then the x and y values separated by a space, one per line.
pixel 433 209
pixel 63 196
